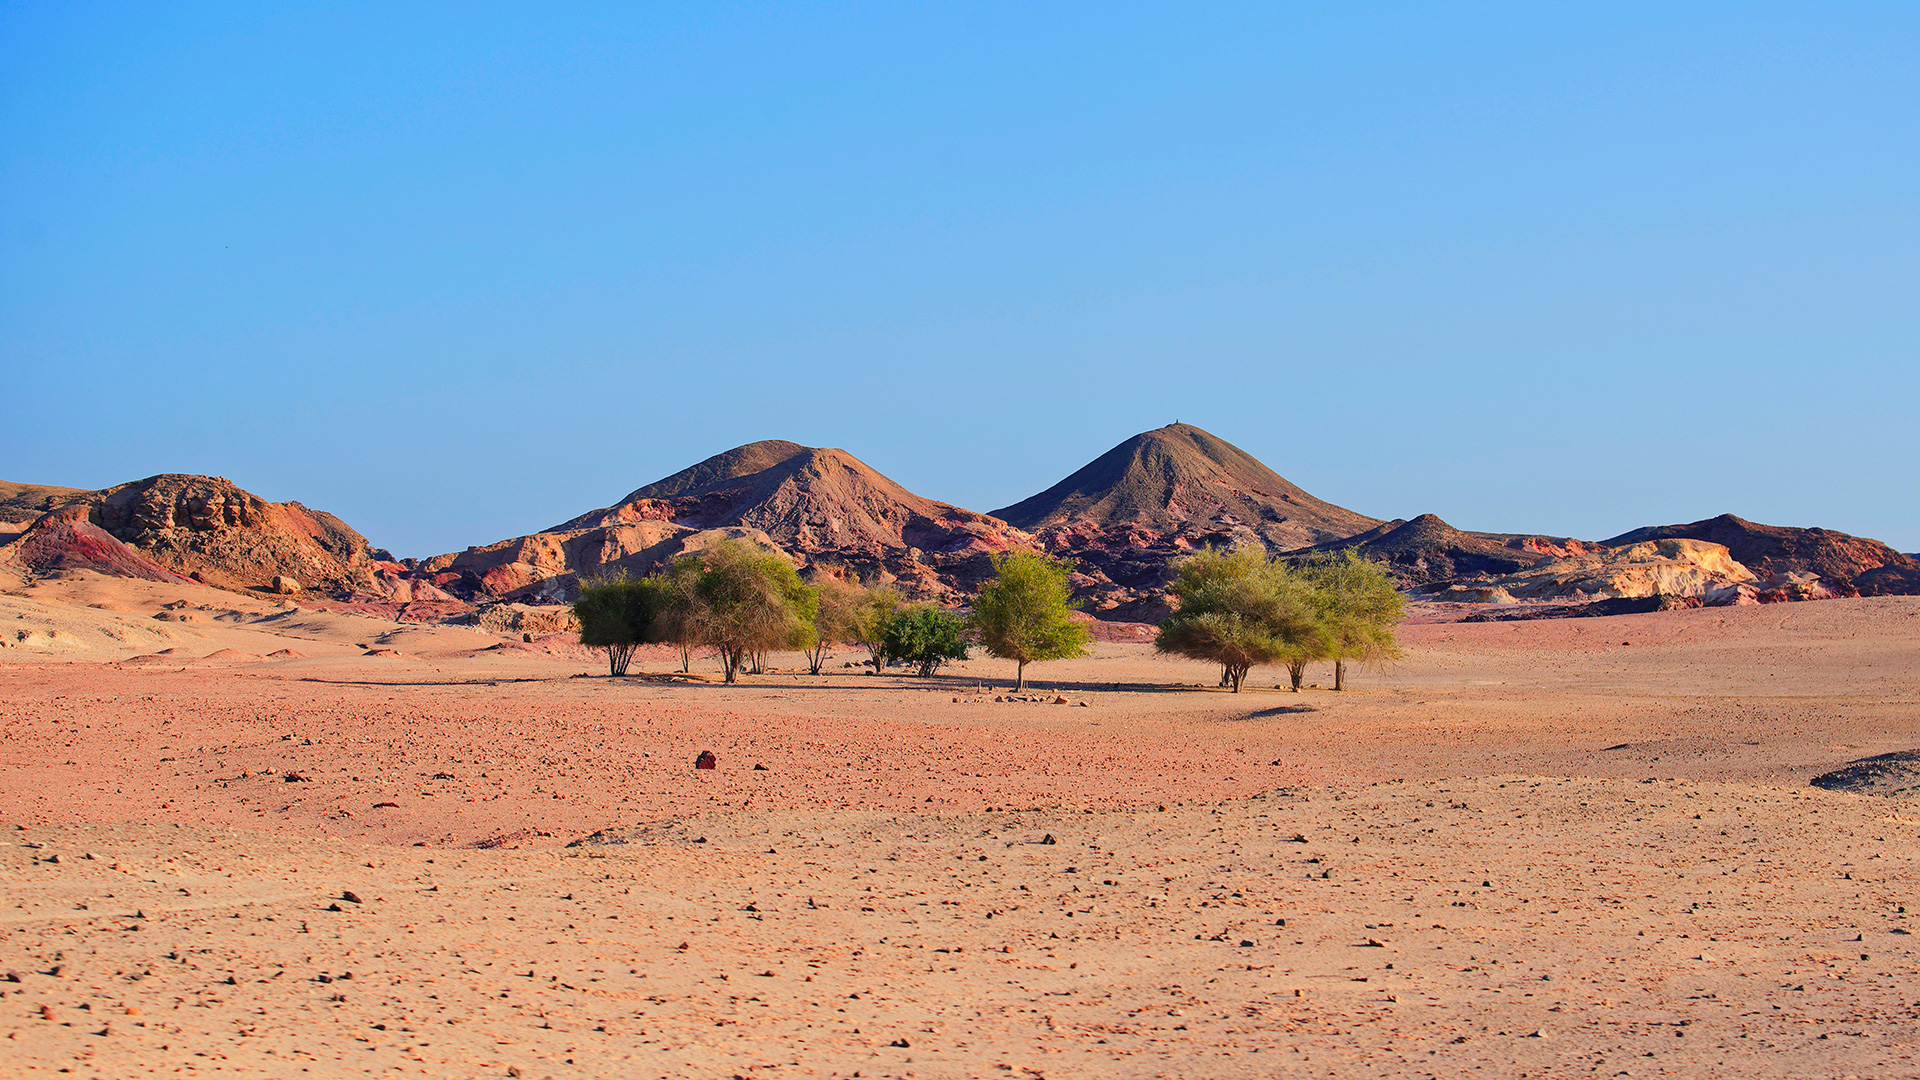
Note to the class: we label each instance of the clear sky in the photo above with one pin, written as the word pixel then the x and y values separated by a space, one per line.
pixel 458 273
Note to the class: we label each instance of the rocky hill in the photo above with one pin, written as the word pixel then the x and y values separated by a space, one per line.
pixel 1128 514
pixel 1427 550
pixel 202 527
pixel 1784 552
pixel 64 540
pixel 824 507
pixel 26 502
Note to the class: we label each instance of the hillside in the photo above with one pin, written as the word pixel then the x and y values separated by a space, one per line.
pixel 826 508
pixel 1779 551
pixel 1129 513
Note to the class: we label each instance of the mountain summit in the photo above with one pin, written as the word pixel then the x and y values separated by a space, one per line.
pixel 1181 480
pixel 1128 513
pixel 818 505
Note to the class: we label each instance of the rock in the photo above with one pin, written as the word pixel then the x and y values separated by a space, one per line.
pixel 706 760
pixel 286 586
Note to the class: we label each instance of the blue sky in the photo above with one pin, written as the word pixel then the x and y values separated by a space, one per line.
pixel 457 273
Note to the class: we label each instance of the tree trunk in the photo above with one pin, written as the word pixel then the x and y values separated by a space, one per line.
pixel 1339 674
pixel 1238 672
pixel 1296 670
pixel 686 658
pixel 1020 676
pixel 1226 674
pixel 729 663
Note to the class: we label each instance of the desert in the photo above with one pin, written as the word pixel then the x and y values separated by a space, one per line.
pixel 947 541
pixel 258 839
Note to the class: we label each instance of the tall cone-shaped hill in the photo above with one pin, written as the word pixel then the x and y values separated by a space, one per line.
pixel 1180 480
pixel 1130 513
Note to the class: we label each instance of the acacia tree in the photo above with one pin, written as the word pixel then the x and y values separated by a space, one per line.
pixel 836 618
pixel 751 601
pixel 617 614
pixel 1023 613
pixel 925 636
pixel 1239 609
pixel 878 604
pixel 1359 604
pixel 681 618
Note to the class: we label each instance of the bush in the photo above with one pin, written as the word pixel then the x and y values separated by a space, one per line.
pixel 617 614
pixel 925 636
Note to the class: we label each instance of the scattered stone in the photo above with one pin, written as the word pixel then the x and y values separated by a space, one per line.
pixel 706 760
pixel 350 897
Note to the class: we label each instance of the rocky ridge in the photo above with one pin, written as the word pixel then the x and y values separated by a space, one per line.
pixel 829 510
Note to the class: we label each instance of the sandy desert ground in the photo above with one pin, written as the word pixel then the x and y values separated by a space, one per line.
pixel 1578 848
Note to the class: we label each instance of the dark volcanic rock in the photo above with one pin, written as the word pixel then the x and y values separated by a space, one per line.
pixel 1897 773
pixel 1428 550
pixel 1776 551
pixel 1622 605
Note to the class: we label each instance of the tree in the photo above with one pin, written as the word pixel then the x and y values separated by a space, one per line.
pixel 871 617
pixel 1022 614
pixel 1359 604
pixel 925 636
pixel 1238 610
pixel 751 601
pixel 618 614
pixel 836 619
pixel 681 617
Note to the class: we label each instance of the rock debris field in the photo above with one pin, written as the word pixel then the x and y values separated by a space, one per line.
pixel 1576 848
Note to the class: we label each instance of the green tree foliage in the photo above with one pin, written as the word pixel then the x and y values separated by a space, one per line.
pixel 1023 613
pixel 1239 609
pixel 1359 605
pixel 872 616
pixel 680 619
pixel 836 618
pixel 618 614
pixel 750 601
pixel 925 636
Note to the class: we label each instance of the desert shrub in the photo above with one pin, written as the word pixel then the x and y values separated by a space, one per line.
pixel 617 614
pixel 925 636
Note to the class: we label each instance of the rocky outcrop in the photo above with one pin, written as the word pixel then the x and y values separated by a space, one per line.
pixel 1780 552
pixel 1131 513
pixel 1428 550
pixel 65 541
pixel 824 507
pixel 209 529
pixel 27 502
pixel 1656 568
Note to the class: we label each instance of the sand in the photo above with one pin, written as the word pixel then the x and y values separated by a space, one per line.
pixel 1585 847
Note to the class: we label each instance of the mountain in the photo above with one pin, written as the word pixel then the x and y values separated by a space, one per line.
pixel 1846 563
pixel 1128 514
pixel 202 527
pixel 824 507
